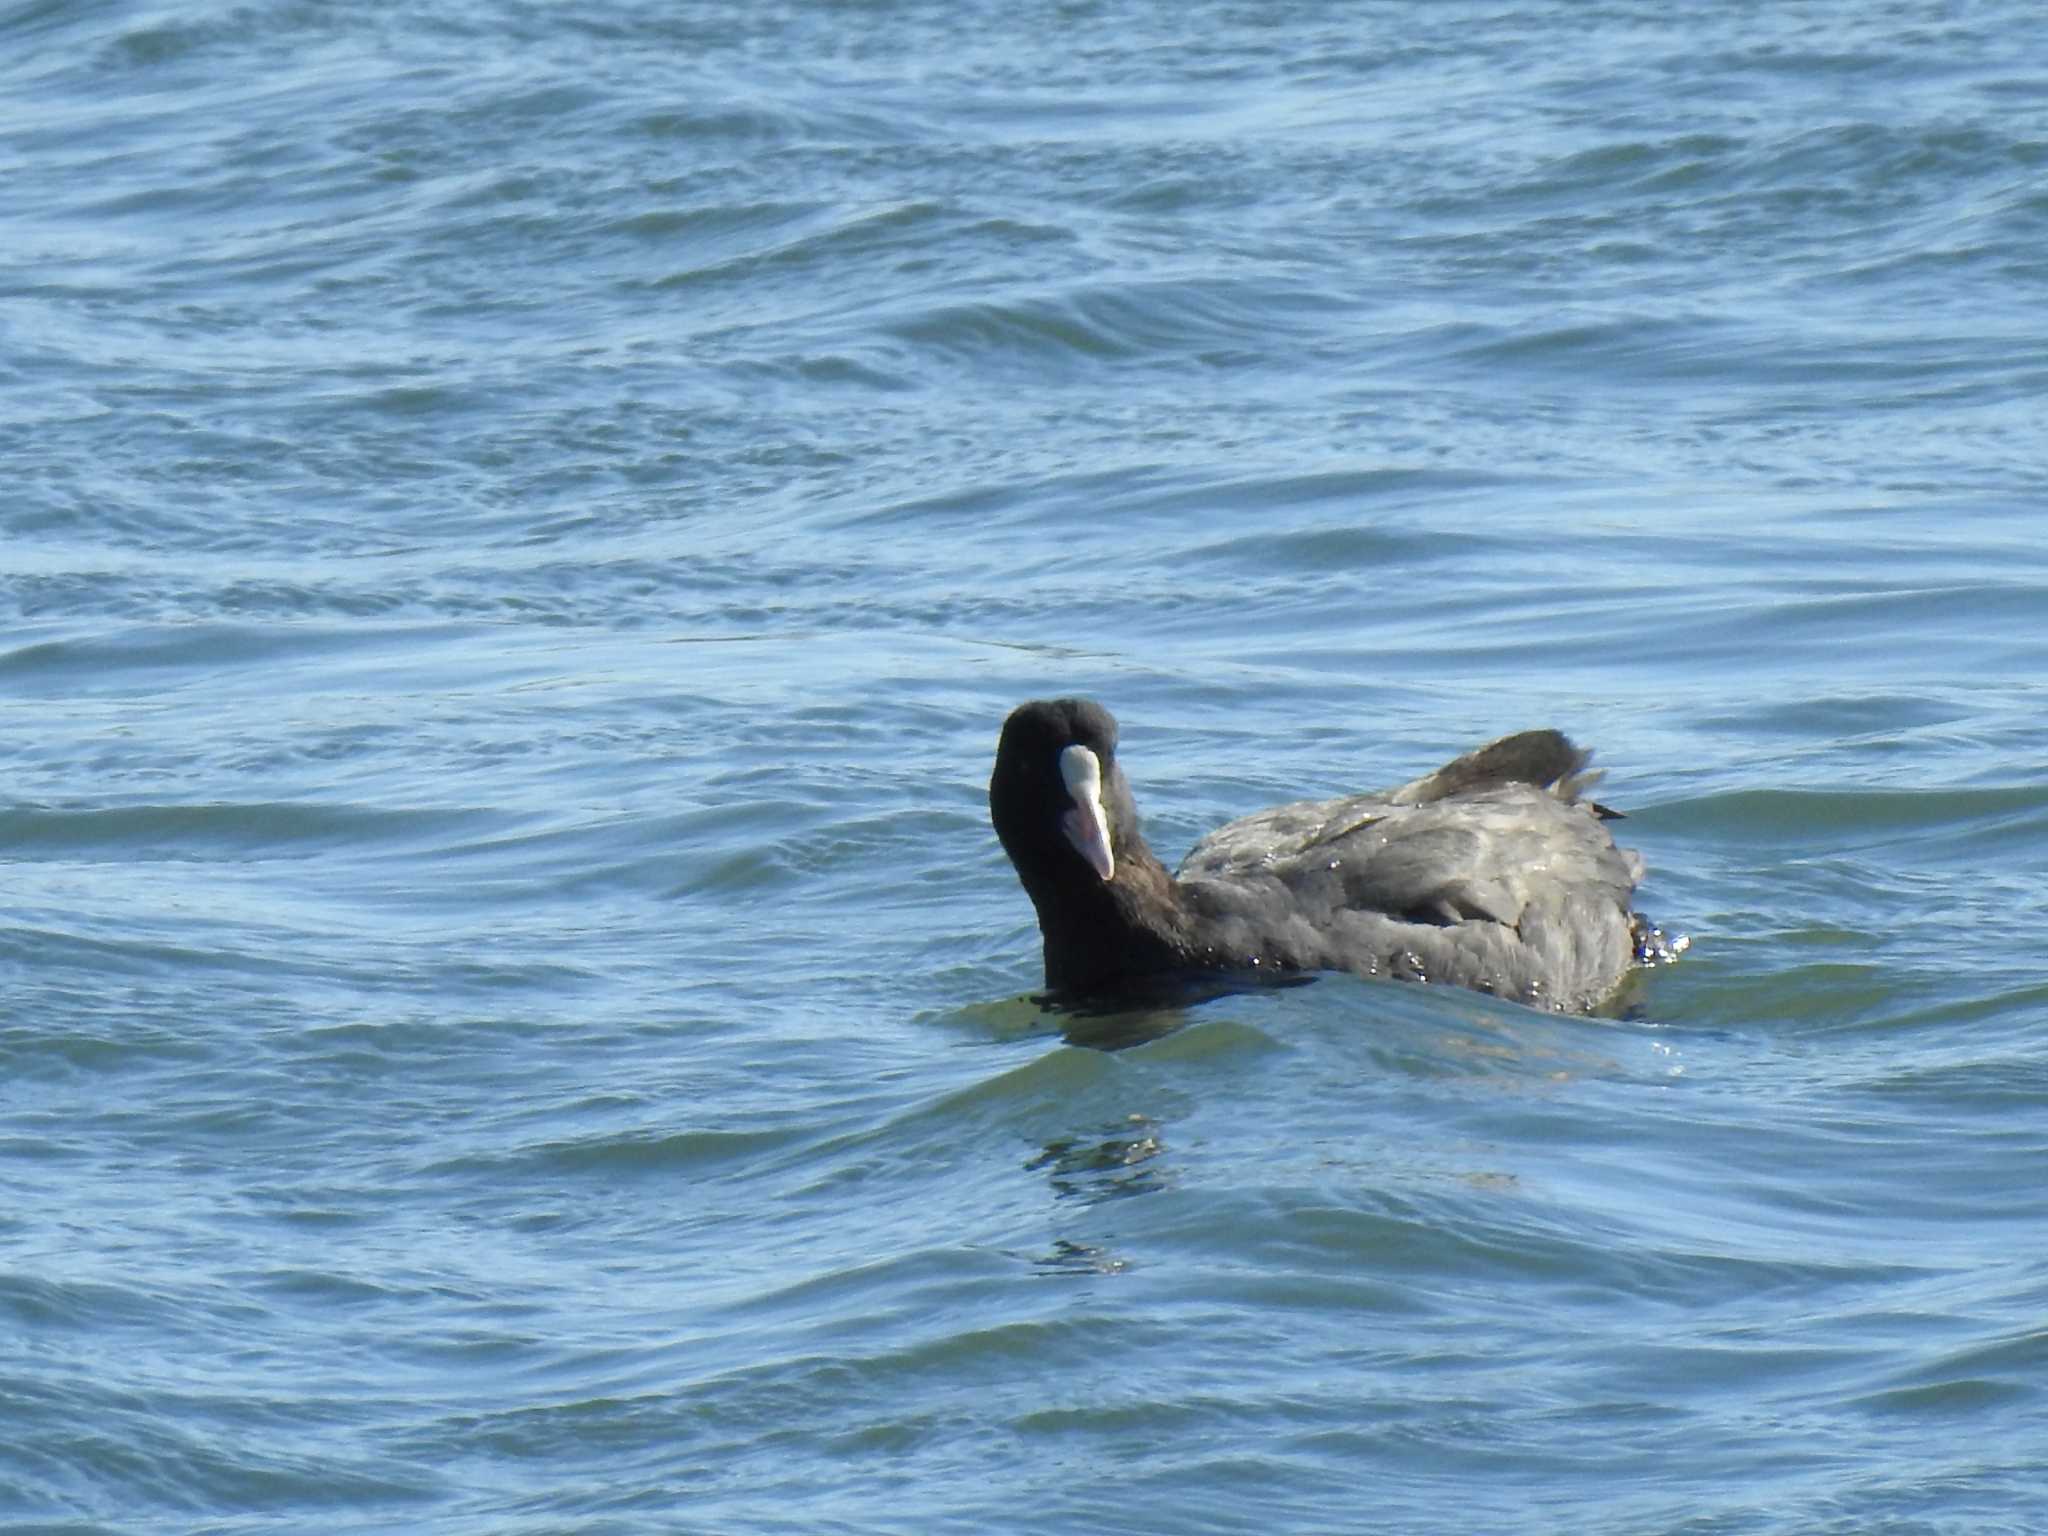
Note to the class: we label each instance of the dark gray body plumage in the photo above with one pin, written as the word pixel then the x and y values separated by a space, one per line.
pixel 1512 887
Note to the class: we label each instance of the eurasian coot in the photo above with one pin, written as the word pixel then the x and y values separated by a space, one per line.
pixel 1494 873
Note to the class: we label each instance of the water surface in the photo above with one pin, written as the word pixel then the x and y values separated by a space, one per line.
pixel 522 526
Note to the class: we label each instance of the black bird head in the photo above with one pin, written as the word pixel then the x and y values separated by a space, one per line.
pixel 1058 799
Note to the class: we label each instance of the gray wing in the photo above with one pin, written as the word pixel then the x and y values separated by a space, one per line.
pixel 1490 872
pixel 1288 833
pixel 1484 854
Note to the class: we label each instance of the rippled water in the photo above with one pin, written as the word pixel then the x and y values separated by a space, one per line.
pixel 522 524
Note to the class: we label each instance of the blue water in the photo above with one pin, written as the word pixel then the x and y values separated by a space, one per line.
pixel 521 524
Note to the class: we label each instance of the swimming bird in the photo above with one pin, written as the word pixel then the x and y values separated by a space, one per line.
pixel 1495 872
